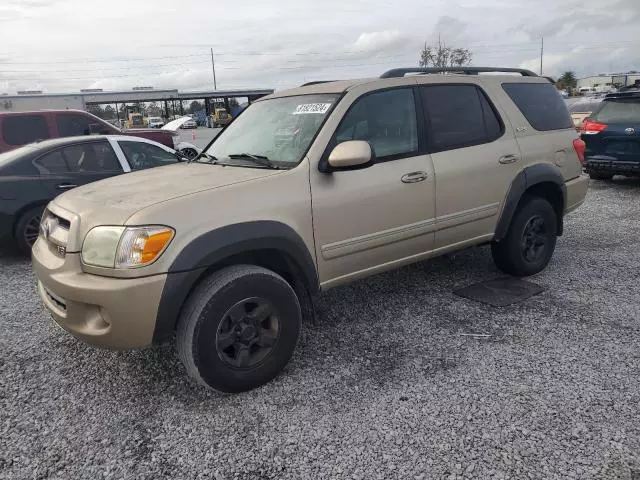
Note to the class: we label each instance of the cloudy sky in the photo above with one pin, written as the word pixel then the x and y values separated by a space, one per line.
pixel 65 45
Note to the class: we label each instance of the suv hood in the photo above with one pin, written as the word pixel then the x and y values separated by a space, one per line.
pixel 114 200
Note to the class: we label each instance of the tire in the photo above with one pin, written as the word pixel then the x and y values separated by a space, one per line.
pixel 600 176
pixel 27 229
pixel 189 152
pixel 221 340
pixel 530 241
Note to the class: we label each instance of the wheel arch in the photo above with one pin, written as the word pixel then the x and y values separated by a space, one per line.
pixel 542 180
pixel 269 244
pixel 23 209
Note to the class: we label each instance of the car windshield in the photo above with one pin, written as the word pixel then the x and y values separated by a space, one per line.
pixel 619 110
pixel 280 129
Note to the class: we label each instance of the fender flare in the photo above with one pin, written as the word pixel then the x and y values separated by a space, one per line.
pixel 222 243
pixel 527 178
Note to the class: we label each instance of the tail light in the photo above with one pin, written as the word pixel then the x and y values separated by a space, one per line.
pixel 579 146
pixel 589 127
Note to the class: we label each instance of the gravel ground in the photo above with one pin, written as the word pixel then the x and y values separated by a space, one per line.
pixel 386 385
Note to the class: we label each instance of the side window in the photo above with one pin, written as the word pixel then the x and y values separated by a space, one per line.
pixel 459 116
pixel 144 155
pixel 51 163
pixel 541 104
pixel 70 125
pixel 91 157
pixel 387 120
pixel 23 129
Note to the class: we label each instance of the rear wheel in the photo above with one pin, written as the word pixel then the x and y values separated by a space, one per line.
pixel 530 241
pixel 600 176
pixel 239 328
pixel 28 229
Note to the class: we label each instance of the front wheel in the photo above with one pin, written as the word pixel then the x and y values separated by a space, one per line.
pixel 189 153
pixel 239 328
pixel 28 229
pixel 530 241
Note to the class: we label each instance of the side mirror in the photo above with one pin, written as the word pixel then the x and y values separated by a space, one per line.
pixel 353 153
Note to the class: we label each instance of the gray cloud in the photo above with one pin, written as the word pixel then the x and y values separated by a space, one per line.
pixel 274 45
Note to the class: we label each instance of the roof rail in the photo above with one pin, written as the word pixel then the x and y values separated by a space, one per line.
pixel 401 72
pixel 316 82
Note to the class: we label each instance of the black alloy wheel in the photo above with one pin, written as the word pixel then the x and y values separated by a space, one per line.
pixel 248 333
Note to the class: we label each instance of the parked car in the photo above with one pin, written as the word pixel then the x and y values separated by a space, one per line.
pixel 582 109
pixel 21 128
pixel 190 123
pixel 308 189
pixel 155 122
pixel 31 175
pixel 612 136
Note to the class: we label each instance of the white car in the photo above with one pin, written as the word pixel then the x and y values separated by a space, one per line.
pixel 187 149
pixel 190 123
pixel 155 122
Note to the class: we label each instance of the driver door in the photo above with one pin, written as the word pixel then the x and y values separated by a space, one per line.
pixel 375 218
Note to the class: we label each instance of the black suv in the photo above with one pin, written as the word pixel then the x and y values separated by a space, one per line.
pixel 612 136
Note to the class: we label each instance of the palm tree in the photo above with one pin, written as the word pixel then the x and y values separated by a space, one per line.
pixel 567 81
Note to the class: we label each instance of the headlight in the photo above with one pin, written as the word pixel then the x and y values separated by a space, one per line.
pixel 125 247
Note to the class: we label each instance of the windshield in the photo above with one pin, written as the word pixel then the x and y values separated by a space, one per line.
pixel 280 129
pixel 619 110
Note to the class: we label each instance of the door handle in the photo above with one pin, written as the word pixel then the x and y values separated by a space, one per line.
pixel 508 159
pixel 66 186
pixel 414 177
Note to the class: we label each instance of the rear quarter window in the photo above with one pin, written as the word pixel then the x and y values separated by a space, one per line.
pixel 23 129
pixel 541 104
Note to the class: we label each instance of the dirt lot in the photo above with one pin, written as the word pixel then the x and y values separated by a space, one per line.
pixel 388 384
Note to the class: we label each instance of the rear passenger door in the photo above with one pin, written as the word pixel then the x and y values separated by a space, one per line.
pixel 475 158
pixel 78 164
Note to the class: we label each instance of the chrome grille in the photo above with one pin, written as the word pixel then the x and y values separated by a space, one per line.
pixel 55 230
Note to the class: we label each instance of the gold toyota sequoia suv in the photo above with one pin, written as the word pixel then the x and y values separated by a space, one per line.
pixel 307 189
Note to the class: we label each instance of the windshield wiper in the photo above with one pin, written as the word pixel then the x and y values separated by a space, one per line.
pixel 257 159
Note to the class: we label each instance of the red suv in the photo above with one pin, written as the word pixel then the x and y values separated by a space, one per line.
pixel 20 128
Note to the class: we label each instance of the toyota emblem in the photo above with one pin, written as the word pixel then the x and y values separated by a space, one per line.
pixel 630 131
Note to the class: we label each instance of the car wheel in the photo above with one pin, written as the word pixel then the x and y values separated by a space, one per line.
pixel 28 229
pixel 530 241
pixel 189 152
pixel 238 328
pixel 600 176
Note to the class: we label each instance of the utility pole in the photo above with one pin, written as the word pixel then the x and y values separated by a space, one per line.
pixel 541 54
pixel 213 67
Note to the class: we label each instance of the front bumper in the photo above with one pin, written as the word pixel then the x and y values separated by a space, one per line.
pixel 107 312
pixel 576 192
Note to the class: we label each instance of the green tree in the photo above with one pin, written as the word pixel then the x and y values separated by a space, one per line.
pixel 442 56
pixel 97 110
pixel 154 110
pixel 109 112
pixel 195 106
pixel 567 81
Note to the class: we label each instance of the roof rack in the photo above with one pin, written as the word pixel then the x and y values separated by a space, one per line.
pixel 316 82
pixel 401 72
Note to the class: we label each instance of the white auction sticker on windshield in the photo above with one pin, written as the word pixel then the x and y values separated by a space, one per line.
pixel 320 108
